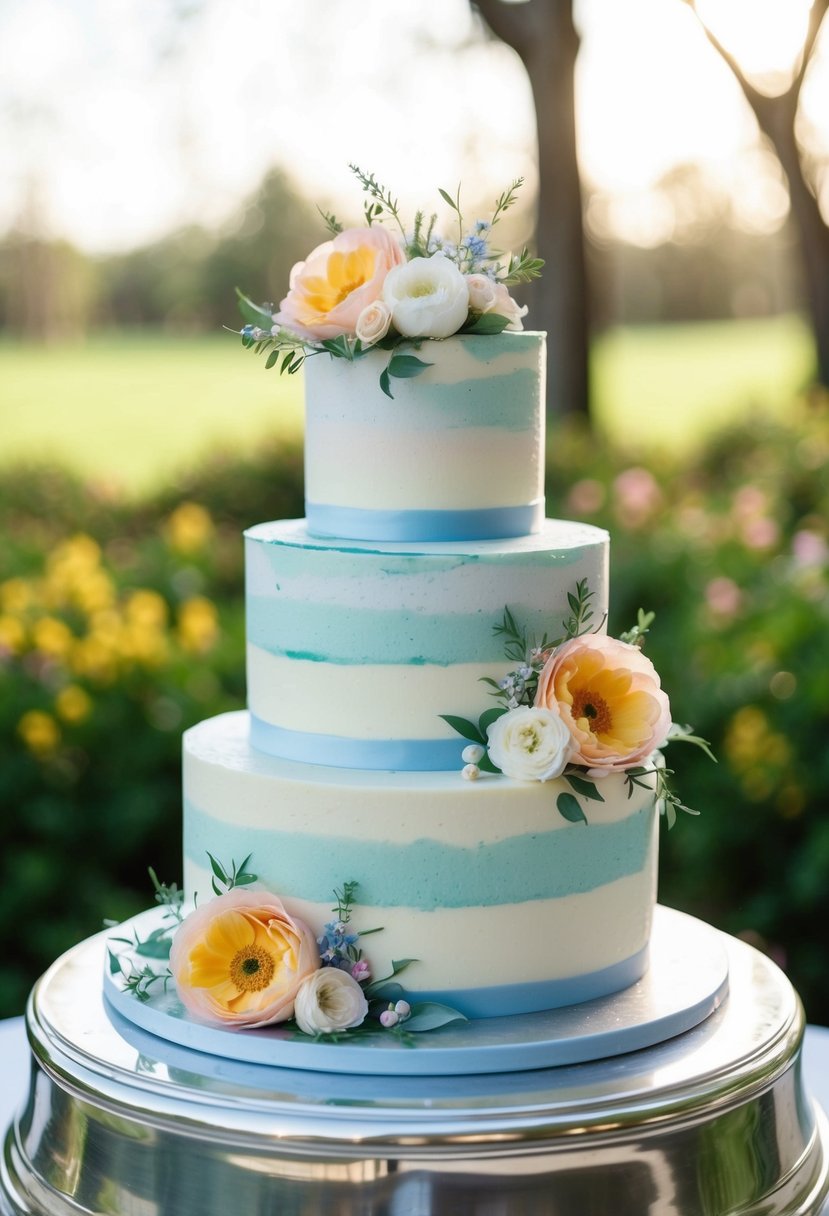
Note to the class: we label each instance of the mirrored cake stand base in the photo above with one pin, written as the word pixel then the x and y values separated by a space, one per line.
pixel 713 1121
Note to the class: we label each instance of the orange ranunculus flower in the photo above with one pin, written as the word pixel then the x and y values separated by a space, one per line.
pixel 337 281
pixel 240 959
pixel 609 696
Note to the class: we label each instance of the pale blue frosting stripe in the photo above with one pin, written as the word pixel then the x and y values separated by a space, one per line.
pixel 486 523
pixel 504 999
pixel 505 402
pixel 336 751
pixel 535 866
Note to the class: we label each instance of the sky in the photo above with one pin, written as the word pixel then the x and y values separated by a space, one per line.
pixel 123 119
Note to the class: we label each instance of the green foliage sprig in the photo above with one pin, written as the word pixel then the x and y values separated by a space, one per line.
pixel 239 876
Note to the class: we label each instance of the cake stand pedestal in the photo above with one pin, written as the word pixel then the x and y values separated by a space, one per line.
pixel 712 1122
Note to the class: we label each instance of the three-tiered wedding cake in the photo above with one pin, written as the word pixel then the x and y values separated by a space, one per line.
pixel 369 621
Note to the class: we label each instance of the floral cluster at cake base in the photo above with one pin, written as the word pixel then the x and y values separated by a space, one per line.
pixel 242 961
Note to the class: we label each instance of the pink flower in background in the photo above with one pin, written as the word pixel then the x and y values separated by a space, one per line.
pixel 609 696
pixel 240 959
pixel 809 548
pixel 637 496
pixel 586 496
pixel 723 597
pixel 337 281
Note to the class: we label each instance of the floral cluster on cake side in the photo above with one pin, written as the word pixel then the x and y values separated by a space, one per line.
pixel 385 283
pixel 242 961
pixel 581 707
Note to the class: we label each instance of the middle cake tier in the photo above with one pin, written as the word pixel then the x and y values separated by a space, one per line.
pixel 355 650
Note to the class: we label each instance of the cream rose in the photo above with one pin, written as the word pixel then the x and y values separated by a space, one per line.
pixel 530 744
pixel 239 959
pixel 373 323
pixel 427 297
pixel 481 290
pixel 609 697
pixel 329 1000
pixel 330 289
pixel 505 306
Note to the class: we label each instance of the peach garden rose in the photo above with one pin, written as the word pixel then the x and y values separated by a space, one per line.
pixel 609 696
pixel 336 283
pixel 240 959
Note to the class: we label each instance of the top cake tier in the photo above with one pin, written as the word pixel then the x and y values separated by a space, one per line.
pixel 456 454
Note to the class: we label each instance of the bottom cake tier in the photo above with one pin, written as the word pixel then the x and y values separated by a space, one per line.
pixel 506 906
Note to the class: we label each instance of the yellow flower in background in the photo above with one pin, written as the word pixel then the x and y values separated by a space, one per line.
pixel 198 625
pixel 189 528
pixel 95 592
pixel 146 609
pixel 12 634
pixel 52 637
pixel 73 704
pixel 39 731
pixel 94 658
pixel 16 595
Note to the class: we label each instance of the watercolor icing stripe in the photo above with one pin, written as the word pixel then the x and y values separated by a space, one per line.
pixel 520 869
pixel 411 755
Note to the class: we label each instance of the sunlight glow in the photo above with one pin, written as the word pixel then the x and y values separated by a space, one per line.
pixel 765 36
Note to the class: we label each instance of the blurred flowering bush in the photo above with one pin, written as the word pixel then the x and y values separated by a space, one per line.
pixel 121 624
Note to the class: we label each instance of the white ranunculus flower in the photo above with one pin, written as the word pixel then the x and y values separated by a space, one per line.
pixel 373 323
pixel 481 292
pixel 329 1000
pixel 428 297
pixel 530 744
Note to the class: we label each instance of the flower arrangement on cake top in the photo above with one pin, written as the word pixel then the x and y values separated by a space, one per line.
pixel 580 707
pixel 382 286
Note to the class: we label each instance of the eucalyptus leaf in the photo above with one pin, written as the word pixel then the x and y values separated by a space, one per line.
pixel 157 945
pixel 489 716
pixel 465 728
pixel 115 967
pixel 429 1015
pixel 384 383
pixel 486 765
pixel 272 359
pixel 254 314
pixel 570 809
pixel 586 788
pixel 403 367
pixel 487 323
pixel 217 869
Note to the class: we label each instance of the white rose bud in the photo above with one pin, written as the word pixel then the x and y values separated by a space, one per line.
pixel 428 297
pixel 329 1000
pixel 473 754
pixel 481 292
pixel 530 744
pixel 373 323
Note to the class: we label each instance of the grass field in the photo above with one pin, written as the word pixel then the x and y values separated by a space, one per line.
pixel 132 409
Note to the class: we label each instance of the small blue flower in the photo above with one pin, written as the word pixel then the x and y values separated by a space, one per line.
pixel 482 225
pixel 476 246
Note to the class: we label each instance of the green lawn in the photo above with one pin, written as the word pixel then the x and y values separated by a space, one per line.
pixel 131 409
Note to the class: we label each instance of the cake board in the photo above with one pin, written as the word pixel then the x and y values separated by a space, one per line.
pixel 714 1120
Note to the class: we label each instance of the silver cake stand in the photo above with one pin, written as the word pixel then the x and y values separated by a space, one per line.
pixel 712 1122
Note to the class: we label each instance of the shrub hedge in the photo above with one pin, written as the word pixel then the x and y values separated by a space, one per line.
pixel 122 623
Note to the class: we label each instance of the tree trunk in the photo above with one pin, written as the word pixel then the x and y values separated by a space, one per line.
pixel 777 118
pixel 777 121
pixel 545 37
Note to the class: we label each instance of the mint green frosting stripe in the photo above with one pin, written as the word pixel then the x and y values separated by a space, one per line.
pixel 340 633
pixel 428 874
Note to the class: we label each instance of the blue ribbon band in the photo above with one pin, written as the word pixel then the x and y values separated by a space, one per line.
pixel 486 523
pixel 401 755
pixel 510 999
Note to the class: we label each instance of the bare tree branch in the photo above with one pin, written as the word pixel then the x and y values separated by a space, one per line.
pixel 512 23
